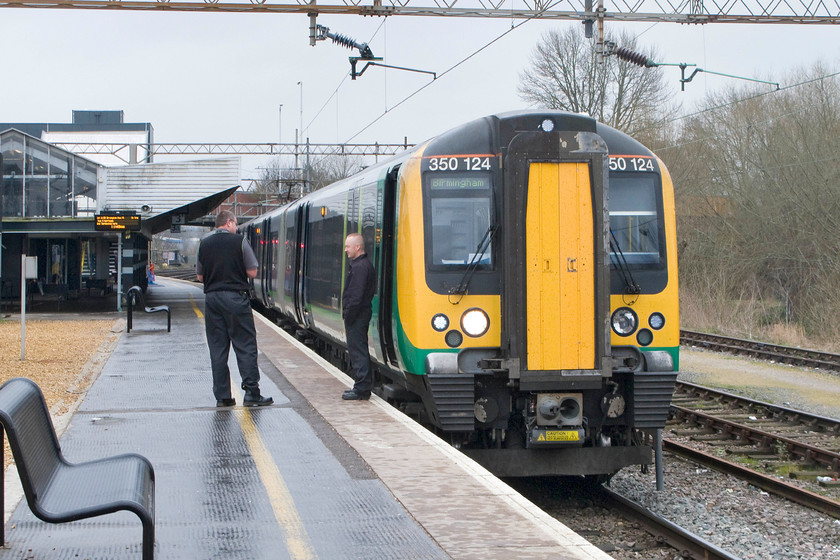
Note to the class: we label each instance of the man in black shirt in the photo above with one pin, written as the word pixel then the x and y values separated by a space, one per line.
pixel 356 311
pixel 225 263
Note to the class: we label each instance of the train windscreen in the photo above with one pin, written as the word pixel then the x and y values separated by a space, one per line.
pixel 460 218
pixel 634 219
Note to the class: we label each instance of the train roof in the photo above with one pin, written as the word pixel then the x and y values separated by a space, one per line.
pixel 487 134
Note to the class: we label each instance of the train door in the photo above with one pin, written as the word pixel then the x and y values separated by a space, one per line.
pixel 274 259
pixel 301 288
pixel 560 280
pixel 267 261
pixel 386 268
pixel 555 290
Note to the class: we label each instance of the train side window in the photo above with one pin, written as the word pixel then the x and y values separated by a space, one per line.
pixel 369 218
pixel 289 262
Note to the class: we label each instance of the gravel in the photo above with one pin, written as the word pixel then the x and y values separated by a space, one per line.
pixel 730 513
pixel 735 516
pixel 62 356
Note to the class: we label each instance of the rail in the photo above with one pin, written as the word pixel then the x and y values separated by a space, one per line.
pixel 762 350
pixel 689 544
pixel 775 434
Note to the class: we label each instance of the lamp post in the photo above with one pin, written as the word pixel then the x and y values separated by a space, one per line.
pixel 306 181
pixel 301 109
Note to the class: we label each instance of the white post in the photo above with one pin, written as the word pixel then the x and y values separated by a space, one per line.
pixel 23 307
pixel 28 271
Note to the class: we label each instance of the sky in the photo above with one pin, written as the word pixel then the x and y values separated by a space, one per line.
pixel 203 77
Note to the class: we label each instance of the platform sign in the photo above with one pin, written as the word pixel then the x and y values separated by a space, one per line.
pixel 117 221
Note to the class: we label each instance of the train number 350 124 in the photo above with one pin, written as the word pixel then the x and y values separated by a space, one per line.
pixel 469 163
pixel 622 163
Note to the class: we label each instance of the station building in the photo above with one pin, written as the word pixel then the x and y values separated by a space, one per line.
pixel 89 222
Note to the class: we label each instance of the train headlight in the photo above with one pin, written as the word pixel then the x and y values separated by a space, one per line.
pixel 656 321
pixel 645 337
pixel 624 321
pixel 547 125
pixel 475 322
pixel 440 322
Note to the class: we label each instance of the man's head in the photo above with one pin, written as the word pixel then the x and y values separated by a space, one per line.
pixel 354 245
pixel 226 220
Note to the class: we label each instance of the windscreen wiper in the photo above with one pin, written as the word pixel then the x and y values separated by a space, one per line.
pixel 480 250
pixel 620 261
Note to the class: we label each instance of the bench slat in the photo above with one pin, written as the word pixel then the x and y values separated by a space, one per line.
pixel 58 491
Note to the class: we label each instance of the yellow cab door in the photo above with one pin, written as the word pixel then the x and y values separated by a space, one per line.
pixel 560 268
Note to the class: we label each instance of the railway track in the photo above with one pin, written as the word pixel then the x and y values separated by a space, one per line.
pixel 617 524
pixel 762 350
pixel 181 273
pixel 689 544
pixel 766 441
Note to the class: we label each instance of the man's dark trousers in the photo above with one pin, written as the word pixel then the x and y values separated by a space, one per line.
pixel 357 347
pixel 228 319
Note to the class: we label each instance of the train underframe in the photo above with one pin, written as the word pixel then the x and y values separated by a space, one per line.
pixel 591 427
pixel 594 428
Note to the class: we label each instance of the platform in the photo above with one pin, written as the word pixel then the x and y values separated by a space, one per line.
pixel 311 476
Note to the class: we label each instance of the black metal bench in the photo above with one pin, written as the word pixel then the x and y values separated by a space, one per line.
pixel 134 298
pixel 58 491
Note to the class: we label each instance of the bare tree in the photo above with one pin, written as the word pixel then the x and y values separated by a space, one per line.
pixel 762 206
pixel 566 74
pixel 329 169
pixel 279 178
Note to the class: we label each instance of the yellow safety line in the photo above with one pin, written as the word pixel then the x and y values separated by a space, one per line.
pixel 297 540
pixel 195 308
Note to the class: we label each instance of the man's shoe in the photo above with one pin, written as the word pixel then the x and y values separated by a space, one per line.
pixel 353 395
pixel 258 401
pixel 225 402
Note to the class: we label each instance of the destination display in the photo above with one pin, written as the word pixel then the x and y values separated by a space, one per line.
pixel 117 221
pixel 460 182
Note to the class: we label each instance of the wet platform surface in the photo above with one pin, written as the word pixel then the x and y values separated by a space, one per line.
pixel 311 476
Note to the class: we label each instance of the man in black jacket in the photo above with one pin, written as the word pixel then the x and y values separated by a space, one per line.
pixel 356 311
pixel 225 263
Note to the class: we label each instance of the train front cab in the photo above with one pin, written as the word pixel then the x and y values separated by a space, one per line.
pixel 550 396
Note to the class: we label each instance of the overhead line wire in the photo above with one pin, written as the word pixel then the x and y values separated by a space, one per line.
pixel 341 83
pixel 735 102
pixel 758 168
pixel 710 109
pixel 451 68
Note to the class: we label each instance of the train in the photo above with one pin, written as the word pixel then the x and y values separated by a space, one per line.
pixel 526 306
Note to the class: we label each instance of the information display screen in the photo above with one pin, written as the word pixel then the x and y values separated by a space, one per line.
pixel 117 221
pixel 459 182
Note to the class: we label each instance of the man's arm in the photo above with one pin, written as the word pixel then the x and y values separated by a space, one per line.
pixel 252 266
pixel 199 269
